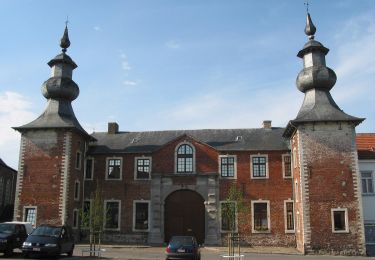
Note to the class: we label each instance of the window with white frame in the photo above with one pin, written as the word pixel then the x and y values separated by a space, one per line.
pixel 75 218
pixel 76 190
pixel 142 168
pixel 367 182
pixel 227 166
pixel 287 166
pixel 112 214
pixel 340 220
pixel 78 160
pixel 185 159
pixel 8 193
pixel 228 213
pixel 89 169
pixel 29 215
pixel 260 216
pixel 114 169
pixel 141 215
pixel 259 166
pixel 289 216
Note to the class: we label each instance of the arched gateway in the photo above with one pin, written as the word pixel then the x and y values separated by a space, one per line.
pixel 184 214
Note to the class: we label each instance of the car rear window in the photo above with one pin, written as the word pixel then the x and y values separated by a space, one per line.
pixel 6 228
pixel 181 241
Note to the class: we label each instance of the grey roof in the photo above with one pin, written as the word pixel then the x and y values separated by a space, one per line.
pixel 220 139
pixel 3 164
pixel 58 114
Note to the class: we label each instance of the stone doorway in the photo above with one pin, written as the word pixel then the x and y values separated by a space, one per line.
pixel 184 215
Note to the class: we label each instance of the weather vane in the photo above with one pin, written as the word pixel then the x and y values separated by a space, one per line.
pixel 307 5
pixel 67 21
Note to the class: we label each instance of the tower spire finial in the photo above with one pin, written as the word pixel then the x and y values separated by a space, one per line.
pixel 310 28
pixel 65 43
pixel 306 3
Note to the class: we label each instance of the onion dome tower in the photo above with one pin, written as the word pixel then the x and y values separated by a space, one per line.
pixel 60 90
pixel 52 152
pixel 326 182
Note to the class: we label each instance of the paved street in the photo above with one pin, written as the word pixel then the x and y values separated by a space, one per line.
pixel 208 253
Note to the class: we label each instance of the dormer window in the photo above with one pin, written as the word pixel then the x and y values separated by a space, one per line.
pixel 185 159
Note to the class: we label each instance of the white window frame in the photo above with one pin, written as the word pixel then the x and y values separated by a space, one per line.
pixel 283 166
pixel 136 167
pixel 134 215
pixel 268 216
pixel 107 165
pixel 346 220
pixel 234 165
pixel 251 166
pixel 25 208
pixel 92 168
pixel 77 195
pixel 176 161
pixel 286 217
pixel 236 216
pixel 83 206
pixel 78 157
pixel 75 218
pixel 105 214
pixel 368 179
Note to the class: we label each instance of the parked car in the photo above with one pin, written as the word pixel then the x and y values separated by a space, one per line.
pixel 49 240
pixel 12 235
pixel 183 247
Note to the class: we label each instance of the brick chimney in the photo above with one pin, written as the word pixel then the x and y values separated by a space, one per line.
pixel 267 124
pixel 112 128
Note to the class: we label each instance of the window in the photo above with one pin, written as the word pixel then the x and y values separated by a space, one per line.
pixel 259 166
pixel 8 193
pixel 287 167
pixel 370 233
pixel 227 166
pixel 1 191
pixel 289 216
pixel 89 169
pixel 340 220
pixel 143 168
pixel 367 183
pixel 114 169
pixel 76 190
pixel 112 215
pixel 78 160
pixel 260 215
pixel 185 159
pixel 141 216
pixel 228 211
pixel 29 215
pixel 75 218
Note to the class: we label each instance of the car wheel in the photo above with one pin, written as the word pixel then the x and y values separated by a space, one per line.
pixel 70 253
pixel 8 252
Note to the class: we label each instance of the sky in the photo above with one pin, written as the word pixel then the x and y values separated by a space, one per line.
pixel 181 64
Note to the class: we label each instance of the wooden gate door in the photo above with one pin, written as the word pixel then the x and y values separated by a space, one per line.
pixel 184 214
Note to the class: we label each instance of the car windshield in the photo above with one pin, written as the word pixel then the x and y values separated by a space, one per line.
pixel 6 228
pixel 47 231
pixel 181 241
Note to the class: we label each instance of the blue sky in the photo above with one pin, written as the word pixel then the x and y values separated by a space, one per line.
pixel 181 64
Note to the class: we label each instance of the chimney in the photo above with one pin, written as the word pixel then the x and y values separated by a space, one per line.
pixel 267 124
pixel 112 128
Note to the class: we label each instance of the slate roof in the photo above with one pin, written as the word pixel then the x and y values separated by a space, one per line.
pixel 220 139
pixel 3 164
pixel 366 146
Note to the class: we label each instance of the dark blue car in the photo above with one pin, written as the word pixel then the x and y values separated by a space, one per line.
pixel 48 240
pixel 183 247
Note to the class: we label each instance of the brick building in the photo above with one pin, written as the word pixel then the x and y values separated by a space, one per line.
pixel 299 184
pixel 8 180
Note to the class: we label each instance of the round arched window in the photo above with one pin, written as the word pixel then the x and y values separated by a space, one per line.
pixel 185 159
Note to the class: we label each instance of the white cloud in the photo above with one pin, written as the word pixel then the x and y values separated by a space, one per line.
pixel 172 44
pixel 14 111
pixel 124 62
pixel 97 28
pixel 130 83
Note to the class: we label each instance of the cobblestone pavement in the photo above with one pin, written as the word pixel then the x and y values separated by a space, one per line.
pixel 207 253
